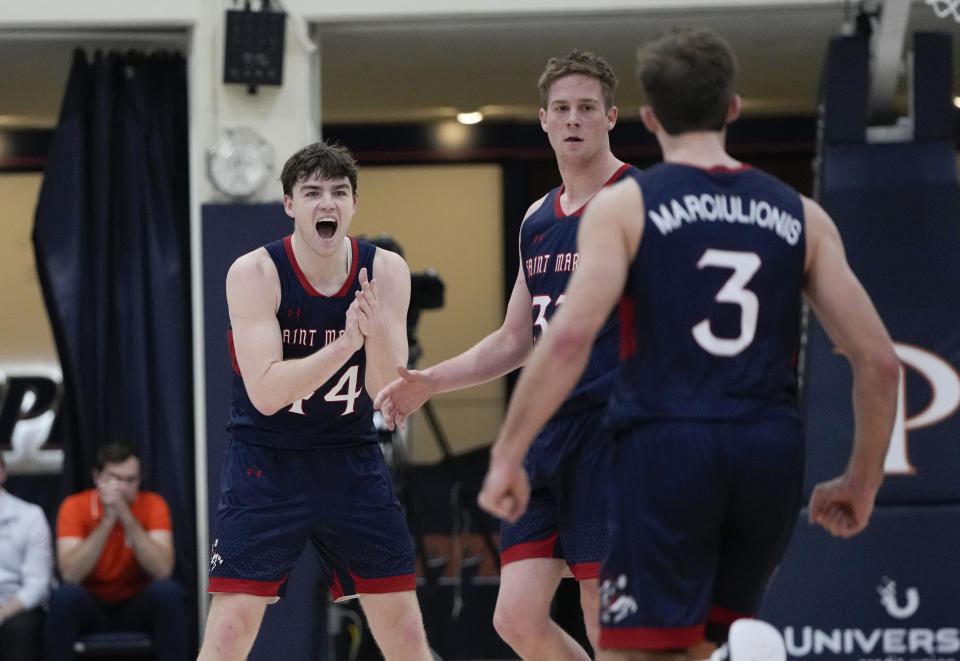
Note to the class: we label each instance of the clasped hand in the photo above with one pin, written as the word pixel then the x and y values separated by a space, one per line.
pixel 115 506
pixel 363 316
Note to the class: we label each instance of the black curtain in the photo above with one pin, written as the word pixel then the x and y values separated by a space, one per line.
pixel 111 236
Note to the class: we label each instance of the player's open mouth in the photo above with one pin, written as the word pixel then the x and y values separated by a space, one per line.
pixel 573 139
pixel 326 228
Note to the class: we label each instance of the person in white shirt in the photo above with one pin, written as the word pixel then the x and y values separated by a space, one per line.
pixel 26 569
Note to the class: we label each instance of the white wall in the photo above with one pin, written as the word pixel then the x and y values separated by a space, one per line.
pixel 24 328
pixel 287 117
pixel 384 9
pixel 69 13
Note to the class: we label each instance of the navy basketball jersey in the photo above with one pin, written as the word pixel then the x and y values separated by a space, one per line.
pixel 338 413
pixel 711 309
pixel 548 257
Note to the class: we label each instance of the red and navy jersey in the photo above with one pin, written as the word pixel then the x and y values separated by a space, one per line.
pixel 548 257
pixel 711 310
pixel 338 413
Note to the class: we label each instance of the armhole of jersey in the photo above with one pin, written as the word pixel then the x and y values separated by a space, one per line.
pixel 530 211
pixel 276 270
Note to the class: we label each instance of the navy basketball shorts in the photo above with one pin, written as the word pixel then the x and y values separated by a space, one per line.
pixel 701 515
pixel 565 518
pixel 274 501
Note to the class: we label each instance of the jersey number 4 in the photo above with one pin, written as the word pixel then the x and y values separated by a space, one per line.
pixel 345 390
pixel 744 266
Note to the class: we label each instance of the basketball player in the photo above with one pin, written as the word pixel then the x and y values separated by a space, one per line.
pixel 711 257
pixel 565 528
pixel 318 321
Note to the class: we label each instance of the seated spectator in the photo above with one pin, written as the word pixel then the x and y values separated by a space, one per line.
pixel 115 555
pixel 26 568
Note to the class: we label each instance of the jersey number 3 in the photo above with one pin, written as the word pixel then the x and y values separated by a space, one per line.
pixel 744 266
pixel 541 303
pixel 345 390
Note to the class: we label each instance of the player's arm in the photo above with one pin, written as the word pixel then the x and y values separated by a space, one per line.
pixel 383 306
pixel 253 296
pixel 607 240
pixel 843 505
pixel 499 353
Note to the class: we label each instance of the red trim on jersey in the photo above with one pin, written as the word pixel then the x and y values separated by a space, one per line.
pixel 725 616
pixel 542 548
pixel 628 341
pixel 585 570
pixel 241 586
pixel 579 212
pixel 648 638
pixel 400 583
pixel 722 168
pixel 716 168
pixel 288 248
pixel 233 353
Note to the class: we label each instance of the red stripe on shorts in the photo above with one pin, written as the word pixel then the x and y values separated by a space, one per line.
pixel 648 638
pixel 724 616
pixel 336 590
pixel 539 549
pixel 233 352
pixel 585 571
pixel 400 583
pixel 240 586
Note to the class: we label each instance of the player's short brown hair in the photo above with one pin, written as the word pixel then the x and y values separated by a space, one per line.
pixel 580 62
pixel 319 160
pixel 688 77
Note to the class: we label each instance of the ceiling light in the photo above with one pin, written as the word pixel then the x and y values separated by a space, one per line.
pixel 470 117
pixel 451 135
pixel 956 101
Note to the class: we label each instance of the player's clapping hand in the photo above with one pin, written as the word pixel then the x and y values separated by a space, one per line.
pixel 506 490
pixel 402 397
pixel 351 330
pixel 372 323
pixel 841 506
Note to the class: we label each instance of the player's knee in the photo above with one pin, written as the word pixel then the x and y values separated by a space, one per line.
pixel 228 632
pixel 406 634
pixel 517 625
pixel 506 628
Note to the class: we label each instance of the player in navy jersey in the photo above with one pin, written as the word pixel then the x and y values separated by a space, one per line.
pixel 713 257
pixel 318 323
pixel 565 530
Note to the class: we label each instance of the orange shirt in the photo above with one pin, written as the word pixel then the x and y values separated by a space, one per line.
pixel 117 575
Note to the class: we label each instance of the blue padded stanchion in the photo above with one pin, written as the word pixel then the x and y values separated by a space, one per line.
pixel 890 592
